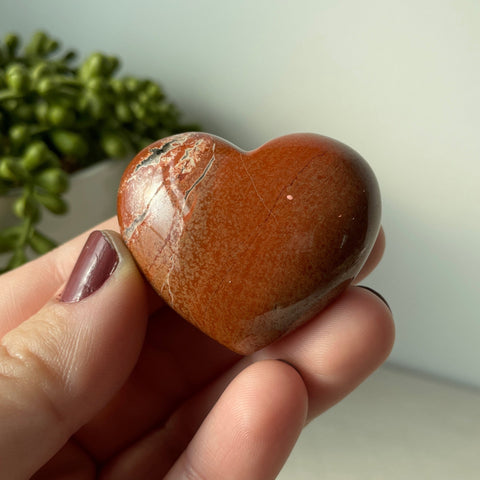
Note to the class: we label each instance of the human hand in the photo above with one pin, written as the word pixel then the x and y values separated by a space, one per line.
pixel 117 386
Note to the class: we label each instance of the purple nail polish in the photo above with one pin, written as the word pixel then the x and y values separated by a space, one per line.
pixel 96 263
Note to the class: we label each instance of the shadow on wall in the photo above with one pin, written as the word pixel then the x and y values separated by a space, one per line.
pixel 431 287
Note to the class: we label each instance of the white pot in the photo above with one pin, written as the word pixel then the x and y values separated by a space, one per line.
pixel 91 198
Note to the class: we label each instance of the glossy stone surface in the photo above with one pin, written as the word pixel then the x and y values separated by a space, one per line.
pixel 248 245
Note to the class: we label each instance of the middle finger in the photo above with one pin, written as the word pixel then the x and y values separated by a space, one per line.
pixel 333 353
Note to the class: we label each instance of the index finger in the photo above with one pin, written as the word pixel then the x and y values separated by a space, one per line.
pixel 27 288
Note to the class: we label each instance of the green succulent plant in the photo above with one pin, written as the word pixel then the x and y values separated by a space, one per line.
pixel 58 116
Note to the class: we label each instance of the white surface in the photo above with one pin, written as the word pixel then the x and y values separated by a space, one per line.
pixel 398 80
pixel 396 426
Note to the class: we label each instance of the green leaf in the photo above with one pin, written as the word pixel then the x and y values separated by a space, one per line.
pixel 46 85
pixel 17 259
pixel 17 78
pixel 35 155
pixel 53 180
pixel 123 112
pixel 12 42
pixel 9 238
pixel 40 243
pixel 69 143
pixel 60 116
pixel 11 169
pixel 41 111
pixel 93 66
pixel 36 45
pixel 26 207
pixel 114 145
pixel 52 202
pixel 19 134
pixel 6 95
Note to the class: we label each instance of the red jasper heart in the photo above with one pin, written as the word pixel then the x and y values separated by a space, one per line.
pixel 248 246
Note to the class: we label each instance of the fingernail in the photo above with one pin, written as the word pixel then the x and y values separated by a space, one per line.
pixel 97 261
pixel 377 294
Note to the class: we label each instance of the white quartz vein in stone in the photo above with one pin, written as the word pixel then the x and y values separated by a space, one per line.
pixel 158 154
pixel 203 174
pixel 163 156
pixel 131 229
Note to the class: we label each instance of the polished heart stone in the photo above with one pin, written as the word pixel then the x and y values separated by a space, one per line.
pixel 248 246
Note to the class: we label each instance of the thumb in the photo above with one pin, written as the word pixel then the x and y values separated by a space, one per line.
pixel 62 365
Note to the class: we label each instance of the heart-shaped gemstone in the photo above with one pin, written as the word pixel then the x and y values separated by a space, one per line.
pixel 248 246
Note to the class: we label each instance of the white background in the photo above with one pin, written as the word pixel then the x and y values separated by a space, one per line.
pixel 397 80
